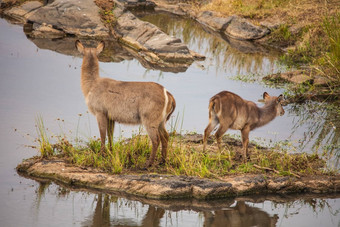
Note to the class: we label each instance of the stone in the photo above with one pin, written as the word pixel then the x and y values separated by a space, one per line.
pixel 213 21
pixel 80 18
pixel 147 36
pixel 22 12
pixel 241 29
pixel 152 44
pixel 46 31
pixel 299 78
pixel 271 24
pixel 137 4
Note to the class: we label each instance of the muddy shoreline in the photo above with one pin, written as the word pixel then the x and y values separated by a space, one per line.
pixel 162 186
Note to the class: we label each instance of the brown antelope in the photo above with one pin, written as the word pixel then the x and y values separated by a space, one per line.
pixel 231 111
pixel 146 103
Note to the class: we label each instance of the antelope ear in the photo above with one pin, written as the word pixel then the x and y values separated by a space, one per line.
pixel 265 95
pixel 280 98
pixel 79 46
pixel 100 47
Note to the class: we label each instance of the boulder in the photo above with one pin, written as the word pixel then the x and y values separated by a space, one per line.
pixel 213 21
pixel 233 26
pixel 22 12
pixel 297 77
pixel 149 41
pixel 72 17
pixel 137 4
pixel 241 29
pixel 46 31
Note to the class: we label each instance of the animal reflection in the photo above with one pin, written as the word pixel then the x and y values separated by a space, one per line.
pixel 242 215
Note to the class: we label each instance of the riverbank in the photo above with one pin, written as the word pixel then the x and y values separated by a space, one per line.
pixel 308 33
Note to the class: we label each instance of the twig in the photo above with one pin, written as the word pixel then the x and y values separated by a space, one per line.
pixel 294 174
pixel 274 170
pixel 266 168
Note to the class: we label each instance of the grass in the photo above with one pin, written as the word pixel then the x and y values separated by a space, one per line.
pixel 185 157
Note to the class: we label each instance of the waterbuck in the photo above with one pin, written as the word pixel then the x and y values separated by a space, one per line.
pixel 231 111
pixel 146 103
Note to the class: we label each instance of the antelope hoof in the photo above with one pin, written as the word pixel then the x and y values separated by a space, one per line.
pixel 162 162
pixel 143 168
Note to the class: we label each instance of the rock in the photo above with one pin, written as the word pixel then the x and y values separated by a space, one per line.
pixel 46 31
pixel 22 12
pixel 149 41
pixel 137 4
pixel 7 3
pixel 146 36
pixel 160 186
pixel 72 17
pixel 240 28
pixel 271 24
pixel 180 9
pixel 233 26
pixel 213 21
pixel 296 77
pixel 299 78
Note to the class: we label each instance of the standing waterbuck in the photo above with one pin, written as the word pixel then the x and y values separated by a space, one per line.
pixel 231 111
pixel 146 103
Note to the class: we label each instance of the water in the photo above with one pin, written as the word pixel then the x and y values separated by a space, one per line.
pixel 45 81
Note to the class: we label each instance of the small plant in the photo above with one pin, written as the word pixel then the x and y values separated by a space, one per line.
pixel 45 147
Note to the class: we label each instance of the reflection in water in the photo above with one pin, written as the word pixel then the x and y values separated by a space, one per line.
pixel 321 129
pixel 242 215
pixel 113 52
pixel 109 210
pixel 228 56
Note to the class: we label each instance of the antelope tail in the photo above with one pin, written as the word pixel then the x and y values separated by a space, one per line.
pixel 171 105
pixel 214 106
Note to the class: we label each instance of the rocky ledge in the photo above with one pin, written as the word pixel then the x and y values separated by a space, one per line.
pixel 157 186
pixel 233 27
pixel 83 19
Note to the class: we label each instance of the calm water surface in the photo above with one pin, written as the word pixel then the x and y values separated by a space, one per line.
pixel 45 81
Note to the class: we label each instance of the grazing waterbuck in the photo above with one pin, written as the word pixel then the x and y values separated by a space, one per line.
pixel 146 103
pixel 231 111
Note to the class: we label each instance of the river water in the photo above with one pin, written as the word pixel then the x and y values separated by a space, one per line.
pixel 42 78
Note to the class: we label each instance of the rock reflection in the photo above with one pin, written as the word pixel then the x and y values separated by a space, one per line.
pixel 226 54
pixel 113 52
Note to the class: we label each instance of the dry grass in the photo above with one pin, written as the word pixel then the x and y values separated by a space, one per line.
pixel 288 11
